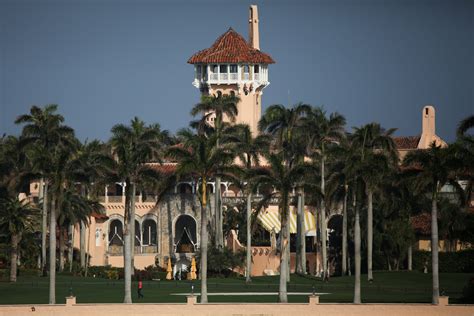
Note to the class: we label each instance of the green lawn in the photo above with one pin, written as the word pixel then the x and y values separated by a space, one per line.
pixel 387 287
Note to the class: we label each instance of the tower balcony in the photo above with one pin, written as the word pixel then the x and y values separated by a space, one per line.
pixel 223 74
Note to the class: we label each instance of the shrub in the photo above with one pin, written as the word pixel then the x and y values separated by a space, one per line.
pixel 468 292
pixel 221 262
pixel 460 261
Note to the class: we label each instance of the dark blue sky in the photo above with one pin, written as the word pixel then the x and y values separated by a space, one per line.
pixel 106 61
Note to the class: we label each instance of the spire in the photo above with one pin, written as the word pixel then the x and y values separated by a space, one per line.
pixel 254 40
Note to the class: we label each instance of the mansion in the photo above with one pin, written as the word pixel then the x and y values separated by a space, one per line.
pixel 169 229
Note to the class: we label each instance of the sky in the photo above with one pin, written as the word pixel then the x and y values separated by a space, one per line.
pixel 104 62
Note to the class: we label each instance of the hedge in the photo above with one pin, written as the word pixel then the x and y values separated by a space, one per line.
pixel 460 261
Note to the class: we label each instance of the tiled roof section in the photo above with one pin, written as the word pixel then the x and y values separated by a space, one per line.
pixel 407 142
pixel 231 47
pixel 421 223
pixel 167 168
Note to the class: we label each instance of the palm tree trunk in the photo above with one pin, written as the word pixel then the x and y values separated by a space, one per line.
pixel 88 254
pixel 344 233
pixel 82 245
pixel 299 237
pixel 44 227
pixel 323 223
pixel 132 229
pixel 284 244
pixel 203 268
pixel 127 258
pixel 303 239
pixel 249 238
pixel 15 240
pixel 410 258
pixel 219 240
pixel 61 249
pixel 52 252
pixel 434 246
pixel 370 234
pixel 357 253
pixel 71 246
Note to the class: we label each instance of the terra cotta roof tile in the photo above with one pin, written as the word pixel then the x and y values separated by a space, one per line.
pixel 230 47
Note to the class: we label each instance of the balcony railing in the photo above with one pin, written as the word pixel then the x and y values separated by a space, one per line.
pixel 256 76
pixel 214 77
pixel 234 76
pixel 116 250
pixel 224 77
pixel 246 76
pixel 115 199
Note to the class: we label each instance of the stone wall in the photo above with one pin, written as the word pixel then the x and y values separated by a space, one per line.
pixel 312 308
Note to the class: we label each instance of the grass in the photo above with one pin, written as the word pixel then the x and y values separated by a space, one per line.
pixel 388 287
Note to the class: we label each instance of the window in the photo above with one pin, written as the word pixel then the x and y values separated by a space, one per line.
pixel 233 69
pixel 116 232
pixel 149 232
pixel 223 69
pixel 256 69
pixel 198 69
pixel 214 69
pixel 246 69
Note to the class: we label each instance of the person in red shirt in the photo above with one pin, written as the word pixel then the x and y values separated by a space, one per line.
pixel 140 287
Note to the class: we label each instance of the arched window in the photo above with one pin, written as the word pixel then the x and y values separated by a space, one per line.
pixel 185 237
pixel 185 188
pixel 116 233
pixel 149 232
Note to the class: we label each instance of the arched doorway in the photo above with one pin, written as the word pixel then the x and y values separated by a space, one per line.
pixel 185 234
pixel 115 237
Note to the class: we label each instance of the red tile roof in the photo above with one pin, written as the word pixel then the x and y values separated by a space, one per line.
pixel 231 47
pixel 407 142
pixel 166 168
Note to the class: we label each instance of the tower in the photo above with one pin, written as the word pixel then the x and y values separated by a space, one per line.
pixel 234 66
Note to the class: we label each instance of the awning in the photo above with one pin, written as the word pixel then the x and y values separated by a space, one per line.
pixel 270 220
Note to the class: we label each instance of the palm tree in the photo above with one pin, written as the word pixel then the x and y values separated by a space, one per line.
pixel 324 132
pixel 369 139
pixel 16 218
pixel 465 125
pixel 285 125
pixel 53 144
pixel 222 107
pixel 247 148
pixel 283 179
pixel 97 165
pixel 200 157
pixel 431 169
pixel 75 209
pixel 132 147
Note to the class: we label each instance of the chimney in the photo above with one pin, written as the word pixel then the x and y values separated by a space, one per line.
pixel 428 131
pixel 428 121
pixel 253 27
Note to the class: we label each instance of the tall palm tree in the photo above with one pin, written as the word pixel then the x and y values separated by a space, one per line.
pixel 285 125
pixel 432 169
pixel 369 139
pixel 16 218
pixel 283 179
pixel 222 107
pixel 132 147
pixel 53 144
pixel 324 131
pixel 95 160
pixel 248 149
pixel 200 157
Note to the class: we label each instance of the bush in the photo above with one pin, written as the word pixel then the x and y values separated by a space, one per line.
pixel 455 262
pixel 221 262
pixel 150 273
pixel 468 292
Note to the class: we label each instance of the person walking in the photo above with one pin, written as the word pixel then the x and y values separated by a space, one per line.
pixel 140 287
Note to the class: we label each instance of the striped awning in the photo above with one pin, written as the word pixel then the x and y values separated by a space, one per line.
pixel 270 220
